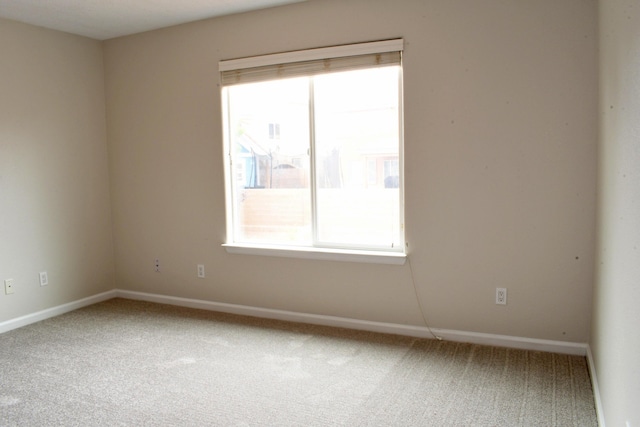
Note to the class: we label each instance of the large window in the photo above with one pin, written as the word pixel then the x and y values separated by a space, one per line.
pixel 313 142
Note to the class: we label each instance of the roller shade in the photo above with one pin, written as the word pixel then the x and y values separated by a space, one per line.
pixel 310 62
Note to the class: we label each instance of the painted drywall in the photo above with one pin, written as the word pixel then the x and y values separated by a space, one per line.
pixel 500 141
pixel 54 184
pixel 615 339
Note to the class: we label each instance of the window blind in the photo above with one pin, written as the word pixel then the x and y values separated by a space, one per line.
pixel 310 62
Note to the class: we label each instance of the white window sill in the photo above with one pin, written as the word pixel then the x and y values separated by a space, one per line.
pixel 347 255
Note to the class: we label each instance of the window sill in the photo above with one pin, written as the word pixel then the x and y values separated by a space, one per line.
pixel 346 255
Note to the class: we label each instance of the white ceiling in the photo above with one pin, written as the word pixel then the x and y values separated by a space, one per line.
pixel 105 19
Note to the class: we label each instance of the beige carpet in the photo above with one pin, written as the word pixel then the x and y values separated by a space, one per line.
pixel 129 363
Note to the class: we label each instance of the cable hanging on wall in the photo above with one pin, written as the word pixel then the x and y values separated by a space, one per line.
pixel 415 290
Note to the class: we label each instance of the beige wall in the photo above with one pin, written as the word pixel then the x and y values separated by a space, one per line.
pixel 54 193
pixel 615 338
pixel 500 143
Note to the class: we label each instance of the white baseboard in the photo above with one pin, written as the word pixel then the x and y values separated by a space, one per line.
pixel 28 319
pixel 594 385
pixel 564 347
pixel 579 349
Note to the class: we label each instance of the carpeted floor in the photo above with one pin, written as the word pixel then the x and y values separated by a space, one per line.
pixel 131 363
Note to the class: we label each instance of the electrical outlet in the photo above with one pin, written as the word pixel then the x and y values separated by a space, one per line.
pixel 157 266
pixel 201 271
pixel 44 279
pixel 8 286
pixel 501 296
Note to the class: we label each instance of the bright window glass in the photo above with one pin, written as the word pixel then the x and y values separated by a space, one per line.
pixel 332 178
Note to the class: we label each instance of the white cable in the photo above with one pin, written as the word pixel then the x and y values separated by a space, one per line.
pixel 415 290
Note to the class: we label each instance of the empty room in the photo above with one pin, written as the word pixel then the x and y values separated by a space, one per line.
pixel 320 212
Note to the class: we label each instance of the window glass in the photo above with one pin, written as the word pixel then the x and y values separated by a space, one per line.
pixel 316 160
pixel 356 121
pixel 271 198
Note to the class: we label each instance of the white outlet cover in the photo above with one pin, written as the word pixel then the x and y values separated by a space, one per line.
pixel 201 271
pixel 501 296
pixel 8 286
pixel 44 279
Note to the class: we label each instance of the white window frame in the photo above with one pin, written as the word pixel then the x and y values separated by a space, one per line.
pixel 226 68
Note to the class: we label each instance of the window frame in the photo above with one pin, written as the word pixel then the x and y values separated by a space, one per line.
pixel 333 253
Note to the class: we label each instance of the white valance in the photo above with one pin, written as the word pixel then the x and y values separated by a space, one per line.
pixel 311 62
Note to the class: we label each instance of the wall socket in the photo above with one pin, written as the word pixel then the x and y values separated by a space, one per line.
pixel 201 271
pixel 156 266
pixel 8 286
pixel 501 296
pixel 44 279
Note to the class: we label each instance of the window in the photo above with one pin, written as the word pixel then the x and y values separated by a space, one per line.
pixel 313 141
pixel 274 131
